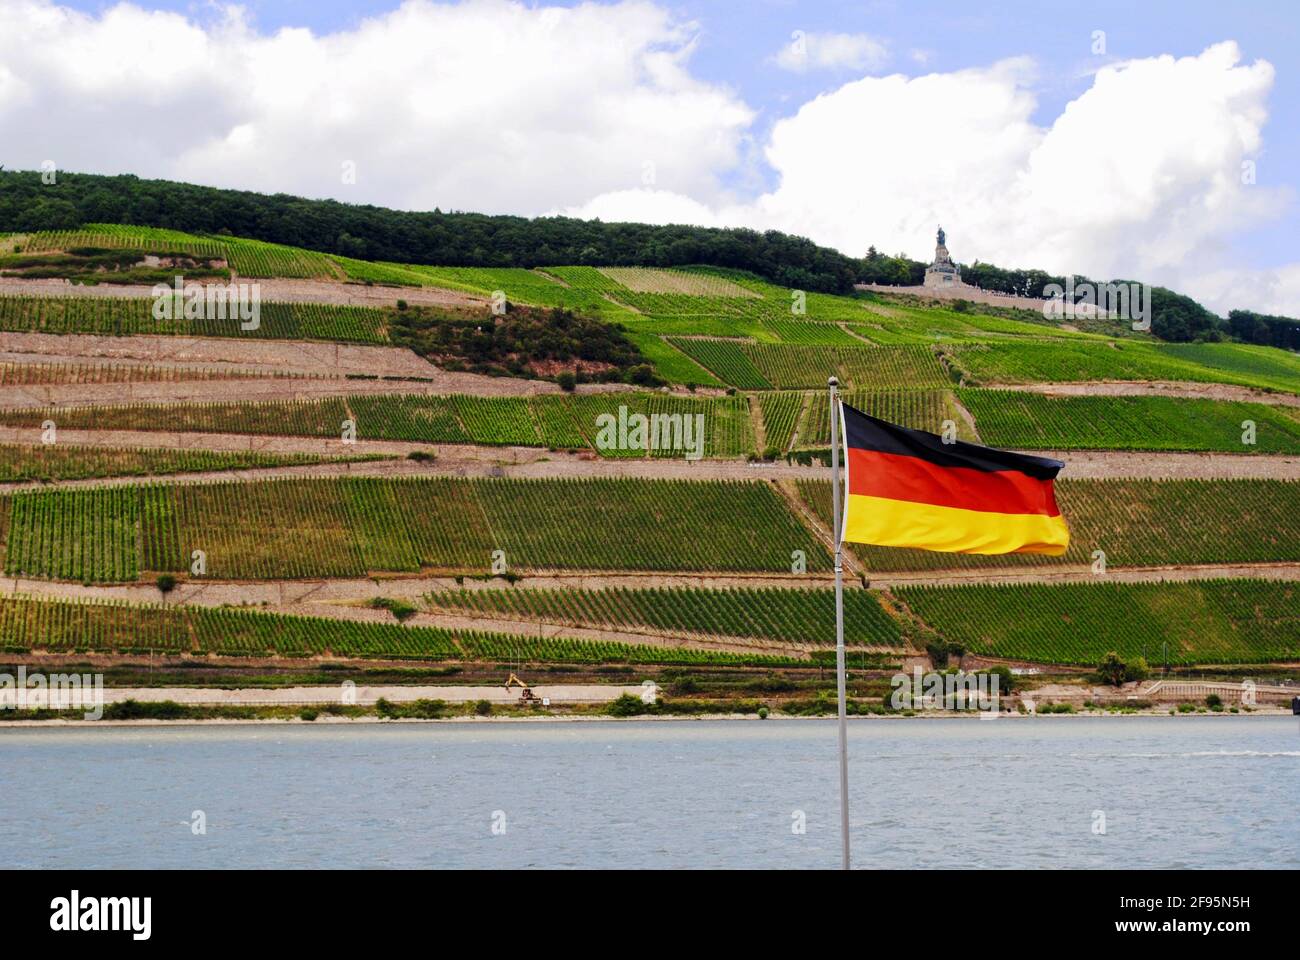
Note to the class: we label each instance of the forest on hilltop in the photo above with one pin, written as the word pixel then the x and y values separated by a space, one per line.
pixel 475 239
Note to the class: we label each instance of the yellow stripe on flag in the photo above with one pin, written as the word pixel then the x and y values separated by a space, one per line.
pixel 901 523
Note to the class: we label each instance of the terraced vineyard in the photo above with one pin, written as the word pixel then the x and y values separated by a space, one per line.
pixel 786 615
pixel 558 421
pixel 919 409
pixel 63 627
pixel 20 463
pixel 1031 421
pixel 754 366
pixel 1057 362
pixel 1136 523
pixel 348 527
pixel 1207 622
pixel 109 236
pixel 781 415
pixel 115 316
pixel 650 280
pixel 896 357
pixel 45 374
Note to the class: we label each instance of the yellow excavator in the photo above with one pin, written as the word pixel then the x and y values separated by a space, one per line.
pixel 526 694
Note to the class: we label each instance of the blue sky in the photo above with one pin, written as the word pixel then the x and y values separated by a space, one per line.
pixel 732 48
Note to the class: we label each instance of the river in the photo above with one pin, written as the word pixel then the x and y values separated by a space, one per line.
pixel 1203 791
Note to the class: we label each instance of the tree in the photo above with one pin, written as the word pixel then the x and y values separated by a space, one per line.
pixel 1112 669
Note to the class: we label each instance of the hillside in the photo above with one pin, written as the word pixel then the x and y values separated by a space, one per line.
pixel 439 464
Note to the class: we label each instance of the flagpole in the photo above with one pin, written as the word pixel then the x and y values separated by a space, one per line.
pixel 836 519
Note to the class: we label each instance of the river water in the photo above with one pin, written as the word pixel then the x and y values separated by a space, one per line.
pixel 1205 791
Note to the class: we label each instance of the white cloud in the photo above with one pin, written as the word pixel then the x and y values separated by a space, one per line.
pixel 1139 177
pixel 487 104
pixel 1275 290
pixel 646 206
pixel 831 51
pixel 593 110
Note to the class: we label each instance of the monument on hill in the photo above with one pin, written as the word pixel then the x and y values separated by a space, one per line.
pixel 943 272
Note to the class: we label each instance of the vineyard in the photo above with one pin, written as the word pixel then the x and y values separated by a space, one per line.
pixel 48 374
pixel 555 420
pixel 1136 523
pixel 1057 362
pixel 781 415
pixel 650 280
pixel 28 624
pixel 790 616
pixel 45 463
pixel 123 317
pixel 919 409
pixel 1207 622
pixel 1034 421
pixel 349 527
pixel 755 366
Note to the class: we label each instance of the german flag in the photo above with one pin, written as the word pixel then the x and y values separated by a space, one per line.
pixel 907 488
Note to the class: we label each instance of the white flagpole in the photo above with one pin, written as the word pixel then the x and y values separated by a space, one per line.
pixel 836 519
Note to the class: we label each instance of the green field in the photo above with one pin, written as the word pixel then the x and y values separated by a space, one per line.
pixel 69 627
pixel 1223 621
pixel 350 527
pixel 786 615
pixel 1033 421
pixel 1136 523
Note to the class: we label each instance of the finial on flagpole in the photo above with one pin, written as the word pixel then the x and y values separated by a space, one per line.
pixel 833 382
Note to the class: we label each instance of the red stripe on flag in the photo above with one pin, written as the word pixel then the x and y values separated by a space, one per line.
pixel 896 477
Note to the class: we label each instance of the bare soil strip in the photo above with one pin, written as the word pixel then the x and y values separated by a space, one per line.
pixel 308 696
pixel 297 356
pixel 337 598
pixel 1152 465
pixel 538 462
pixel 262 389
pixel 285 291
pixel 1154 388
pixel 1083 574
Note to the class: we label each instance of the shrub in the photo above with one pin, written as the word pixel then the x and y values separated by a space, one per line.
pixel 308 714
pixel 567 381
pixel 422 456
pixel 401 304
pixel 1214 701
pixel 626 706
pixel 1006 679
pixel 483 708
pixel 1137 669
pixel 166 583
pixel 762 713
pixel 145 710
pixel 400 609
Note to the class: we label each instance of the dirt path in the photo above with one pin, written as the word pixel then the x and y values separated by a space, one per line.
pixel 306 696
pixel 1083 574
pixel 1154 388
pixel 1143 465
pixel 338 598
pixel 537 462
pixel 282 291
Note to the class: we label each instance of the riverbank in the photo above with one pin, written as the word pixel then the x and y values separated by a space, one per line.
pixel 373 719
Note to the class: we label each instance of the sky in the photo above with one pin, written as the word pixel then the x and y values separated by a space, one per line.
pixel 1152 141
